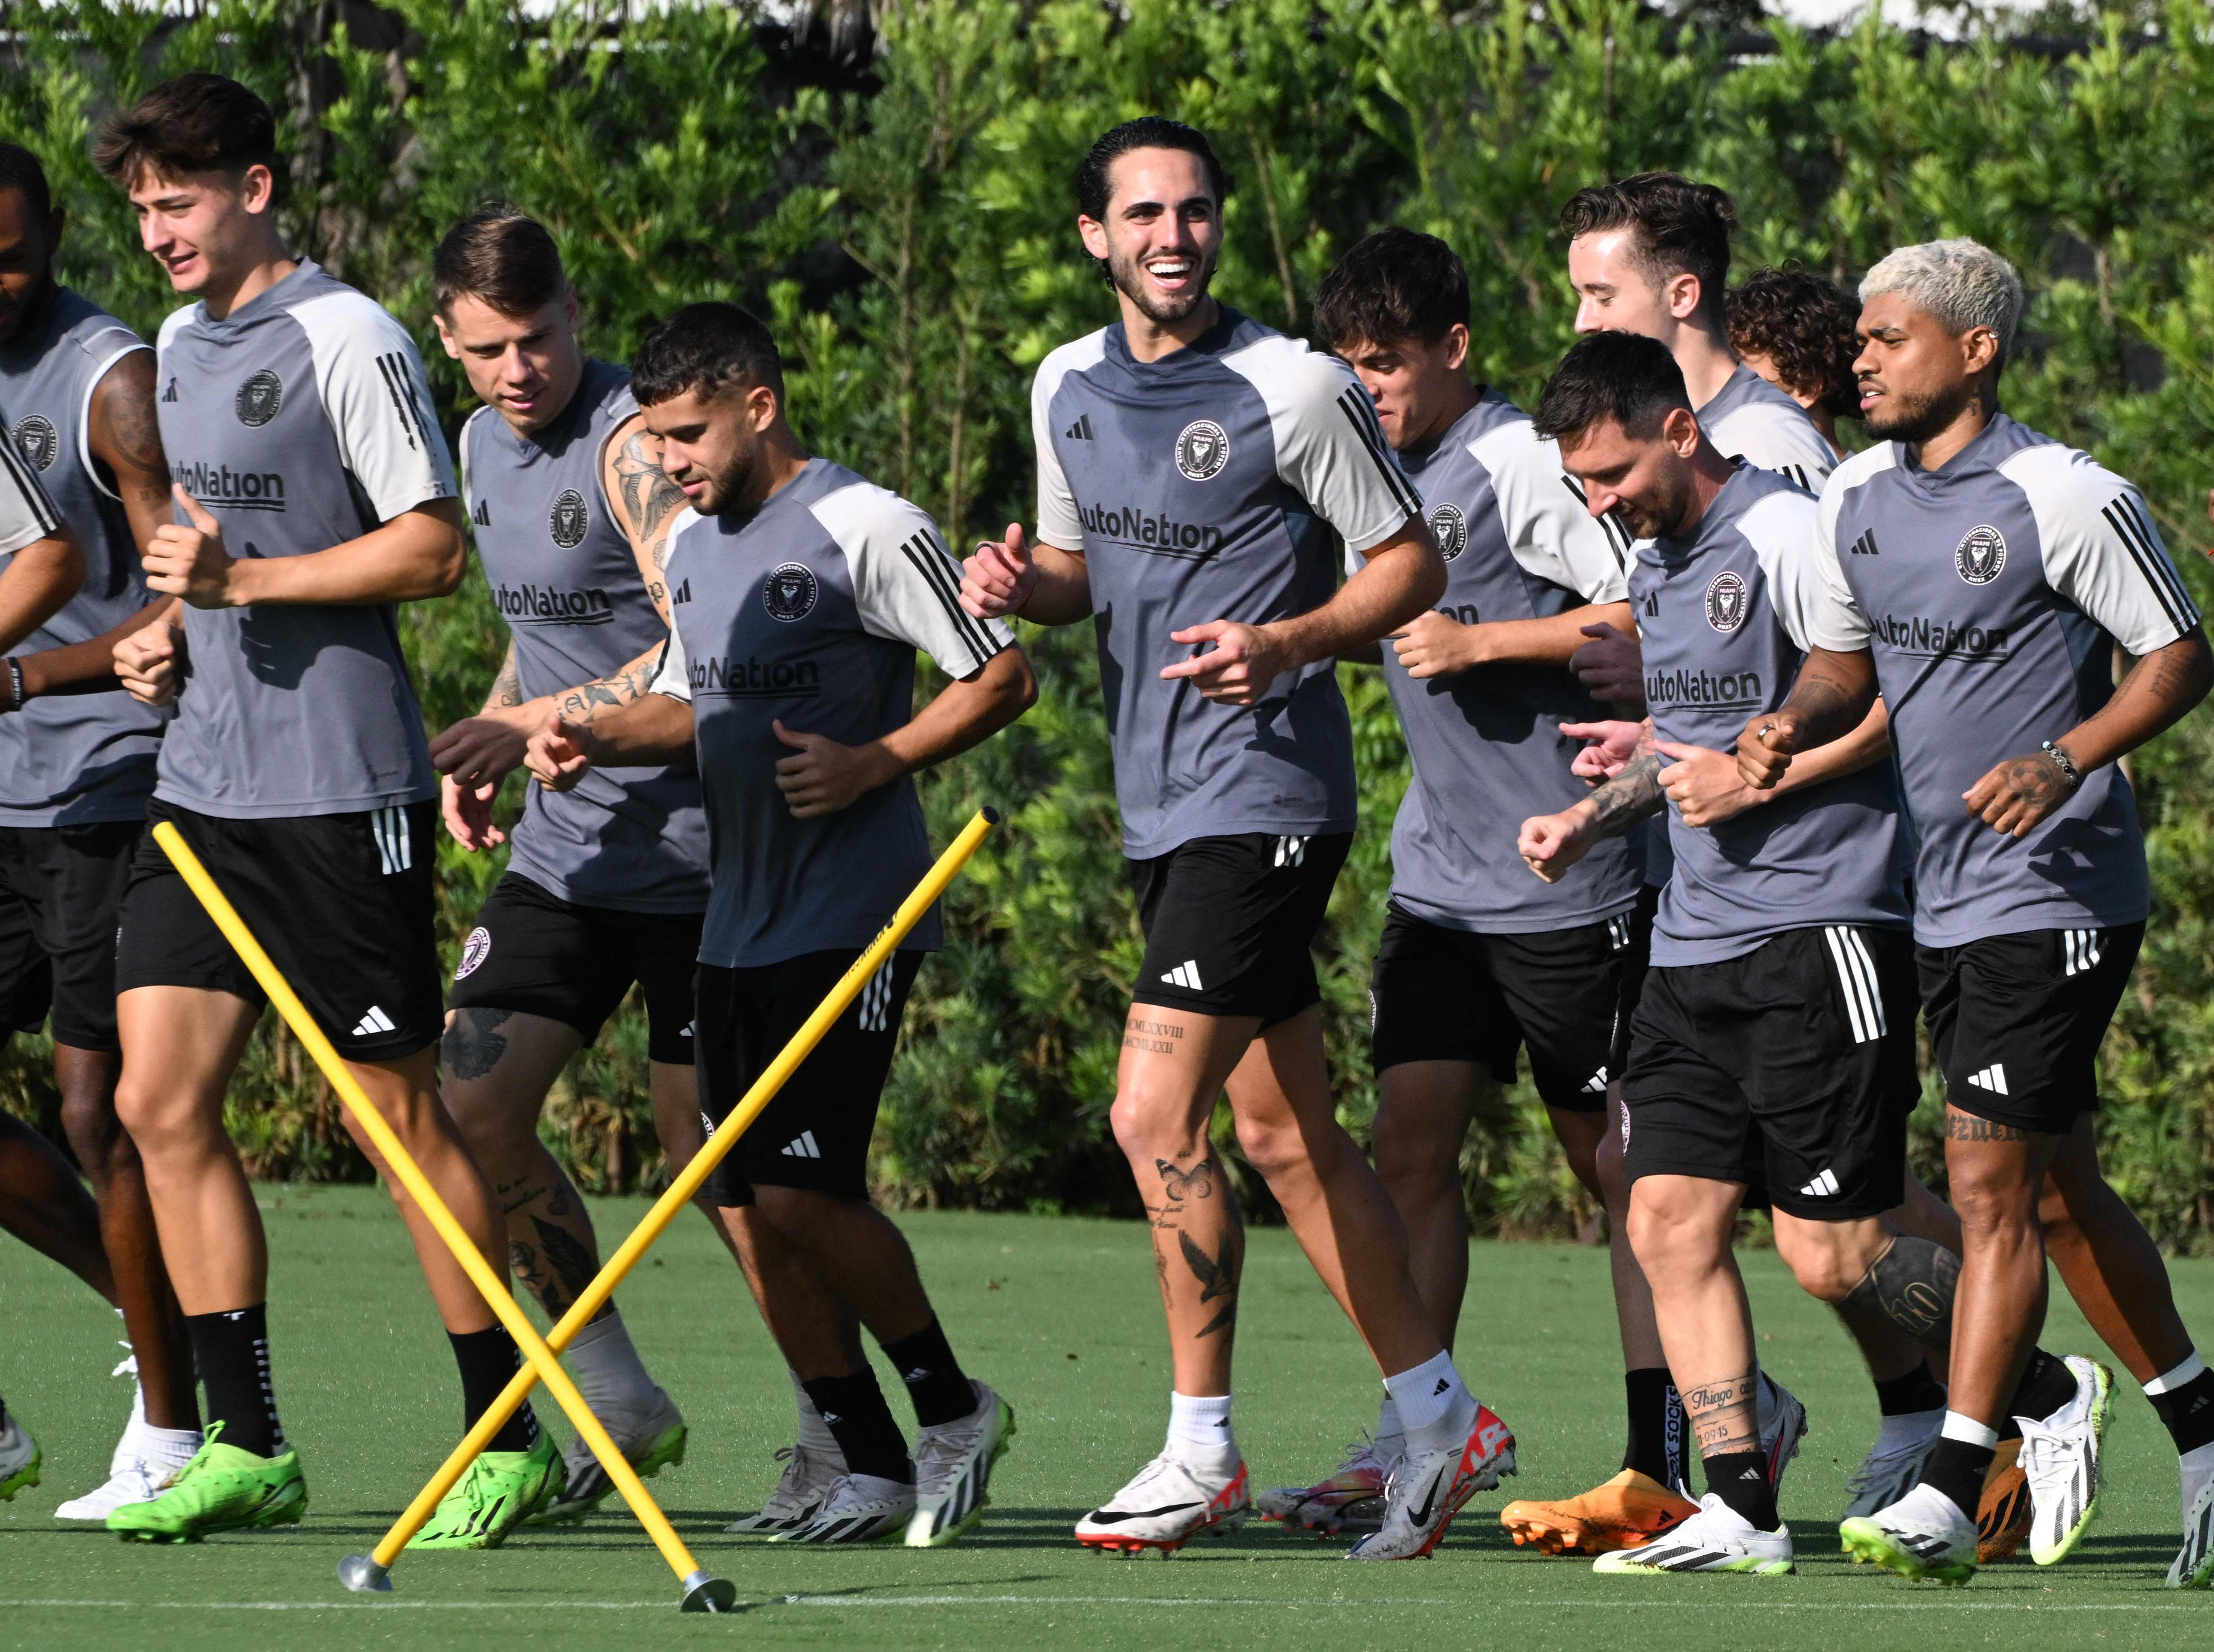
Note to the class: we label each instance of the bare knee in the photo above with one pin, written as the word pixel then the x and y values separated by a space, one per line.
pixel 1414 1162
pixel 1829 1265
pixel 1150 1126
pixel 1671 1228
pixel 91 1121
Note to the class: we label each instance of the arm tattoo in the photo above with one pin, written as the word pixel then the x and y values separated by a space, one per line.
pixel 1631 794
pixel 617 689
pixel 126 424
pixel 507 688
pixel 1828 706
pixel 650 499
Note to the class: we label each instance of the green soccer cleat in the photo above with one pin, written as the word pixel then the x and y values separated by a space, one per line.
pixel 500 1490
pixel 19 1459
pixel 222 1489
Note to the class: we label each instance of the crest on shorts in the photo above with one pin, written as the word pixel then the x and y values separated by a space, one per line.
pixel 789 591
pixel 38 441
pixel 259 398
pixel 1980 554
pixel 1203 449
pixel 474 951
pixel 1726 603
pixel 1451 528
pixel 569 518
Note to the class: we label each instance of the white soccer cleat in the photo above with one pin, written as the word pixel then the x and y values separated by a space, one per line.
pixel 1167 1503
pixel 140 1480
pixel 2194 1561
pixel 1715 1539
pixel 649 1444
pixel 1893 1465
pixel 1350 1499
pixel 1428 1489
pixel 859 1508
pixel 801 1491
pixel 953 1469
pixel 1782 1426
pixel 19 1459
pixel 2060 1456
pixel 1924 1535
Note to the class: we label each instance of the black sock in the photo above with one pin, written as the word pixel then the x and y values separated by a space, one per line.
pixel 853 1407
pixel 488 1361
pixel 935 1381
pixel 1658 1426
pixel 2046 1384
pixel 1957 1469
pixel 232 1351
pixel 2188 1411
pixel 1902 1396
pixel 1739 1478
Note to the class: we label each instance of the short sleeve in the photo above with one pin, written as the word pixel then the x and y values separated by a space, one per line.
pixel 27 515
pixel 1831 617
pixel 2102 550
pixel 1330 449
pixel 1058 523
pixel 906 583
pixel 1783 532
pixel 1548 528
pixel 674 676
pixel 377 399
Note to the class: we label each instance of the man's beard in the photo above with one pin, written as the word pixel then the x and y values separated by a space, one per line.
pixel 725 487
pixel 1915 419
pixel 1130 281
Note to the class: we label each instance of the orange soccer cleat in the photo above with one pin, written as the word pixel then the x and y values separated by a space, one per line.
pixel 1630 1511
pixel 2004 1511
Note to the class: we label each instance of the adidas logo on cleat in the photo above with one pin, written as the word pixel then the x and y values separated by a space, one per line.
pixel 373 1023
pixel 1991 1078
pixel 802 1147
pixel 1185 975
pixel 1822 1187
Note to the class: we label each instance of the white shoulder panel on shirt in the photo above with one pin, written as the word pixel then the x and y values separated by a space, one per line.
pixel 1548 528
pixel 2102 550
pixel 905 585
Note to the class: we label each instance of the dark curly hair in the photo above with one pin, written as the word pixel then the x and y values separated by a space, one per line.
pixel 1804 325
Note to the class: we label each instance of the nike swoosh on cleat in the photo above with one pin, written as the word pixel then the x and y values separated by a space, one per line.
pixel 1115 1516
pixel 1421 1516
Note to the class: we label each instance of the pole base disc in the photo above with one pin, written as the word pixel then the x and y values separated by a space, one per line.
pixel 706 1593
pixel 361 1573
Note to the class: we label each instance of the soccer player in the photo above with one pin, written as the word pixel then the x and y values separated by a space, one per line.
pixel 313 493
pixel 1478 959
pixel 1977 573
pixel 605 883
pixel 1196 472
pixel 1795 330
pixel 800 594
pixel 76 765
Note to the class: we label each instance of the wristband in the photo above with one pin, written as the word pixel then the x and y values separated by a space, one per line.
pixel 2061 760
pixel 15 683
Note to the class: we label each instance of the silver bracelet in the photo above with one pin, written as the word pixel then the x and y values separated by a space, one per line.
pixel 15 681
pixel 2061 761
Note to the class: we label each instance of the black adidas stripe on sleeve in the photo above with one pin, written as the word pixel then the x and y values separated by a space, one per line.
pixel 2122 516
pixel 935 564
pixel 398 384
pixel 1616 536
pixel 1361 413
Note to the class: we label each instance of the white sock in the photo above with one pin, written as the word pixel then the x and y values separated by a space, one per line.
pixel 1199 1428
pixel 172 1446
pixel 2197 1466
pixel 609 1373
pixel 2168 1381
pixel 1433 1401
pixel 1908 1428
pixel 814 1433
pixel 1391 1431
pixel 1966 1429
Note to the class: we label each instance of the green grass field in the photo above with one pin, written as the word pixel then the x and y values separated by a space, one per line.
pixel 1060 1314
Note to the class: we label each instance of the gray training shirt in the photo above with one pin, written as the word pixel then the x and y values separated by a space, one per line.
pixel 75 759
pixel 810 609
pixel 564 578
pixel 1485 743
pixel 1214 483
pixel 300 421
pixel 1987 591
pixel 1728 615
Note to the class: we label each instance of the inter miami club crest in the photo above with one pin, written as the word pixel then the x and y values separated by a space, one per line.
pixel 1451 528
pixel 569 520
pixel 1726 603
pixel 1202 450
pixel 259 398
pixel 38 441
pixel 1981 554
pixel 790 592
pixel 474 951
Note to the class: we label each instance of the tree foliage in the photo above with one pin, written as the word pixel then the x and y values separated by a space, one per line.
pixel 905 217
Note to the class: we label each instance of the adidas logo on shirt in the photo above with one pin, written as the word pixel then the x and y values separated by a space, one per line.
pixel 1865 545
pixel 1185 975
pixel 482 515
pixel 1991 1078
pixel 1653 606
pixel 682 593
pixel 1081 430
pixel 375 1021
pixel 802 1147
pixel 1822 1187
pixel 170 394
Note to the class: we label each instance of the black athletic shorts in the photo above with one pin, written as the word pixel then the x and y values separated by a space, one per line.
pixel 1790 1068
pixel 2016 1021
pixel 1437 994
pixel 815 1131
pixel 341 903
pixel 60 888
pixel 537 954
pixel 1230 922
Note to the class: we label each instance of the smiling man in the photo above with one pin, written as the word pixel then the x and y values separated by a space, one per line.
pixel 1196 473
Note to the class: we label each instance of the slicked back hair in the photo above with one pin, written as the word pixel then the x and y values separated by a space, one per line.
pixel 21 169
pixel 1681 228
pixel 195 123
pixel 1804 326
pixel 1395 286
pixel 705 349
pixel 1960 282
pixel 499 257
pixel 1094 187
pixel 1623 376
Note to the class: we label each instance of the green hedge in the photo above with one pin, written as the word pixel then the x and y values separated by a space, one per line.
pixel 907 222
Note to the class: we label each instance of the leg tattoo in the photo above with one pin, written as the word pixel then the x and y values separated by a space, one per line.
pixel 1724 1415
pixel 474 1045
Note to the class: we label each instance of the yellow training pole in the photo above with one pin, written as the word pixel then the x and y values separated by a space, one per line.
pixel 701 1591
pixel 363 1572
